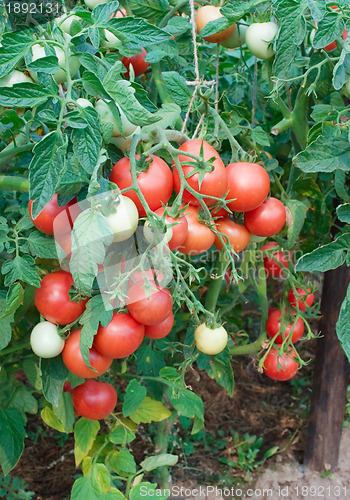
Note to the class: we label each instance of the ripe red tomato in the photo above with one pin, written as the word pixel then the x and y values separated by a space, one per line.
pixel 44 221
pixel 73 359
pixel 199 237
pixel 160 330
pixel 138 62
pixel 180 229
pixel 266 220
pixel 149 309
pixel 213 183
pixel 248 186
pixel 272 268
pixel 52 299
pixel 237 234
pixel 274 325
pixel 94 400
pixel 281 367
pixel 156 183
pixel 121 337
pixel 147 275
pixel 304 298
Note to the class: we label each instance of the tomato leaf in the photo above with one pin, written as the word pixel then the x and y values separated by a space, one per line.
pixel 343 212
pixel 164 459
pixel 218 368
pixel 12 434
pixel 122 462
pixel 122 435
pixel 136 30
pixel 326 257
pixel 150 411
pixel 298 210
pixel 149 361
pixel 190 405
pixel 53 375
pixel 177 88
pixel 87 141
pixel 134 395
pixel 85 432
pixel 21 268
pixel 343 324
pixel 41 245
pixel 13 301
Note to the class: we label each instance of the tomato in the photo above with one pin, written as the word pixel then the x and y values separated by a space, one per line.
pixel 121 337
pixel 248 186
pixel 44 221
pixel 259 39
pixel 45 341
pixel 237 38
pixel 148 275
pixel 138 62
pixel 155 235
pixel 274 325
pixel 155 183
pixel 237 234
pixel 123 222
pixel 333 45
pixel 210 13
pixel 149 308
pixel 73 359
pixel 266 220
pixel 281 367
pixel 199 237
pixel 84 103
pixel 65 22
pixel 67 387
pixel 179 228
pixel 52 299
pixel 13 78
pixel 60 76
pixel 111 42
pixel 303 299
pixel 272 267
pixel 93 3
pixel 124 144
pixel 210 340
pixel 160 330
pixel 213 183
pixel 106 116
pixel 94 400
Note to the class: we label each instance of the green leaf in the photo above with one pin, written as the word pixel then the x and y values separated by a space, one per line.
pixel 138 31
pixel 60 417
pixel 121 435
pixel 13 48
pixel 53 376
pixel 343 213
pixel 167 115
pixel 24 401
pixel 326 257
pixel 215 26
pixel 260 136
pixel 234 10
pixel 12 434
pixel 134 395
pixel 148 490
pixel 330 28
pixel 87 141
pixel 298 210
pixel 343 324
pixel 164 459
pixel 150 410
pixel 85 432
pixel 41 246
pixel 149 9
pixel 23 95
pixel 13 301
pixel 122 462
pixel 21 268
pixel 341 72
pixel 149 361
pixel 218 368
pixel 83 489
pixel 177 88
pixel 190 405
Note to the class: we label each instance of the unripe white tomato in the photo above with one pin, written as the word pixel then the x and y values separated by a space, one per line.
pixel 237 38
pixel 124 144
pixel 259 37
pixel 14 77
pixel 65 22
pixel 84 103
pixel 123 222
pixel 93 3
pixel 112 41
pixel 106 115
pixel 45 341
pixel 210 341
pixel 154 236
pixel 60 77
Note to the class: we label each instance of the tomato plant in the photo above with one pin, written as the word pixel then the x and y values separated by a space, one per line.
pixel 292 331
pixel 276 264
pixel 300 299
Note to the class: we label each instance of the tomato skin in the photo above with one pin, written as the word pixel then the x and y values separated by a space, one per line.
pixel 160 330
pixel 138 62
pixel 273 325
pixel 44 221
pixel 14 77
pixel 213 183
pixel 303 299
pixel 259 37
pixel 288 366
pixel 199 237
pixel 237 234
pixel 266 220
pixel 180 230
pixel 210 13
pixel 271 267
pixel 142 276
pixel 152 310
pixel 249 183
pixel 156 183
pixel 52 299
pixel 73 359
pixel 94 400
pixel 124 220
pixel 210 340
pixel 45 341
pixel 121 337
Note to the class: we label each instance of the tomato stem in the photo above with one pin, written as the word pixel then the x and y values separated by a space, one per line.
pixel 14 183
pixel 216 282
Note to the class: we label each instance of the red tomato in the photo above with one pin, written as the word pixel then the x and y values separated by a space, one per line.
pixel 266 220
pixel 272 268
pixel 73 359
pixel 281 367
pixel 156 183
pixel 121 337
pixel 148 275
pixel 273 326
pixel 248 186
pixel 304 298
pixel 94 400
pixel 138 62
pixel 151 308
pixel 180 229
pixel 160 330
pixel 219 212
pixel 199 237
pixel 119 13
pixel 67 387
pixel 237 234
pixel 52 299
pixel 44 221
pixel 213 183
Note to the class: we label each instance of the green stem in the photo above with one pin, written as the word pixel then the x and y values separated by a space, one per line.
pixel 282 126
pixel 299 120
pixel 15 348
pixel 161 443
pixel 162 91
pixel 171 12
pixel 215 285
pixel 14 183
pixel 12 150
